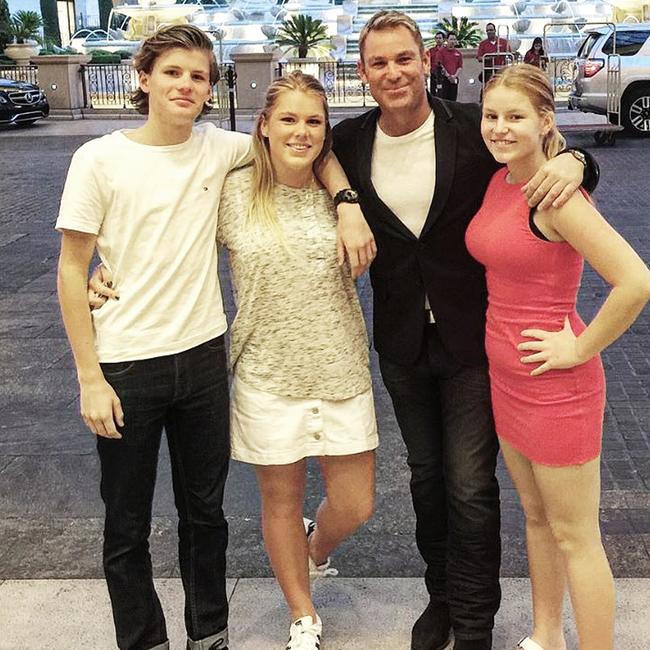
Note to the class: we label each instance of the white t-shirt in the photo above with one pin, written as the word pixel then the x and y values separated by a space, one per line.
pixel 403 173
pixel 154 211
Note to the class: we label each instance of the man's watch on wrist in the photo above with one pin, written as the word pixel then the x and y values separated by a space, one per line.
pixel 591 169
pixel 578 155
pixel 346 196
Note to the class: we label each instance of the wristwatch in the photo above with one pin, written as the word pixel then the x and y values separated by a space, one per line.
pixel 591 169
pixel 346 196
pixel 578 155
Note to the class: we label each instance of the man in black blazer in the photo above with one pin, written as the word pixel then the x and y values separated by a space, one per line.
pixel 420 168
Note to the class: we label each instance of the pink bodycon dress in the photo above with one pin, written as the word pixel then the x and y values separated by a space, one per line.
pixel 554 418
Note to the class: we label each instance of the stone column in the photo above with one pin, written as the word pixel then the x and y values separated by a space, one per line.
pixel 255 71
pixel 469 88
pixel 59 76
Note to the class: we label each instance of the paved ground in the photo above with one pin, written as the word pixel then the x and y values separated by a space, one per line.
pixel 50 511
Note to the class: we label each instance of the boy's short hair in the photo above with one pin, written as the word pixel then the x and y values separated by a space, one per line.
pixel 390 19
pixel 185 37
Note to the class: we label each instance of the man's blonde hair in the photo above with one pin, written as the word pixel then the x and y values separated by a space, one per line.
pixel 390 20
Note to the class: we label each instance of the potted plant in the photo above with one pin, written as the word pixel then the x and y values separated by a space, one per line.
pixel 25 28
pixel 303 33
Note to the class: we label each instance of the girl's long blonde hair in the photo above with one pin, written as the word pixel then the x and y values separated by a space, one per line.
pixel 261 209
pixel 532 82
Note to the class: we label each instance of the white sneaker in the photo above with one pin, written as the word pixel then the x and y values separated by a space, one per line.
pixel 304 634
pixel 316 571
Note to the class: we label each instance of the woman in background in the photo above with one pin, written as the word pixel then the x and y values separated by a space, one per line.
pixel 535 55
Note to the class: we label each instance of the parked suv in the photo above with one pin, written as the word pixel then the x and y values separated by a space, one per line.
pixel 590 86
pixel 21 102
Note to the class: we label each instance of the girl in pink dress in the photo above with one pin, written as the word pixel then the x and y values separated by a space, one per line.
pixel 547 381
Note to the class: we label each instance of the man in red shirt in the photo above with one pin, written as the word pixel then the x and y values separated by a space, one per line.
pixel 435 77
pixel 491 45
pixel 451 62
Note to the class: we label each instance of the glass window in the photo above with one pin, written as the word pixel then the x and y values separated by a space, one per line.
pixel 587 45
pixel 628 43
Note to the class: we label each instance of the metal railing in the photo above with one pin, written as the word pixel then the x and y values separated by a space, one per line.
pixel 28 73
pixel 108 85
pixel 341 81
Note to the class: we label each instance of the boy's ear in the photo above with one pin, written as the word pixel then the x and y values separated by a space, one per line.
pixel 143 80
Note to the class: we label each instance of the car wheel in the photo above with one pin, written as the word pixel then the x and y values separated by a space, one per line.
pixel 635 115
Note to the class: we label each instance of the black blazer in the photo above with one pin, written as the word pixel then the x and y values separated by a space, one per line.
pixel 438 262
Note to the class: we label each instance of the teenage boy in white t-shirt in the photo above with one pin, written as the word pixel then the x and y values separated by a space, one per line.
pixel 147 199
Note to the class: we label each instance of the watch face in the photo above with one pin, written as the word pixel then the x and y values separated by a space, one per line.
pixel 346 196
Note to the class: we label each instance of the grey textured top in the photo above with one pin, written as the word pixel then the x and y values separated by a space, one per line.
pixel 299 331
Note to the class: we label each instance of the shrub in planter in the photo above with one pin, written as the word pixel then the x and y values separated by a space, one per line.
pixel 303 33
pixel 102 56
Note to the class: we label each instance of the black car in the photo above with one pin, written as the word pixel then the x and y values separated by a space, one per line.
pixel 21 102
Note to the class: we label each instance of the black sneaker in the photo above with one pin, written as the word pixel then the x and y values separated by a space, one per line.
pixel 474 644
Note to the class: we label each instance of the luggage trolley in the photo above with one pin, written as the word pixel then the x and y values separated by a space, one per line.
pixel 563 71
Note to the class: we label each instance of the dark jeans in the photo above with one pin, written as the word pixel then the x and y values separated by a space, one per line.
pixel 449 90
pixel 187 395
pixel 445 416
pixel 435 82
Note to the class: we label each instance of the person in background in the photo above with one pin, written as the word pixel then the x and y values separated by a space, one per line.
pixel 546 376
pixel 451 63
pixel 535 55
pixel 435 75
pixel 489 53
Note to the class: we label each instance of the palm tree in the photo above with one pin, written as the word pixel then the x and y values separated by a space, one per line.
pixel 302 33
pixel 467 33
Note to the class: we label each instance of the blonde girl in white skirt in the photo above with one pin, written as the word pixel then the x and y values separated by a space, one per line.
pixel 299 349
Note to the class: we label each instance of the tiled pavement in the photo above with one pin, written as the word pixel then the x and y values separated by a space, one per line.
pixel 50 512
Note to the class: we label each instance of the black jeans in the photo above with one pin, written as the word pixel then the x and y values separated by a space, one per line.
pixel 187 395
pixel 445 417
pixel 449 90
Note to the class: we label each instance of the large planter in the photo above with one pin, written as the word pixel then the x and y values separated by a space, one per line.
pixel 21 52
